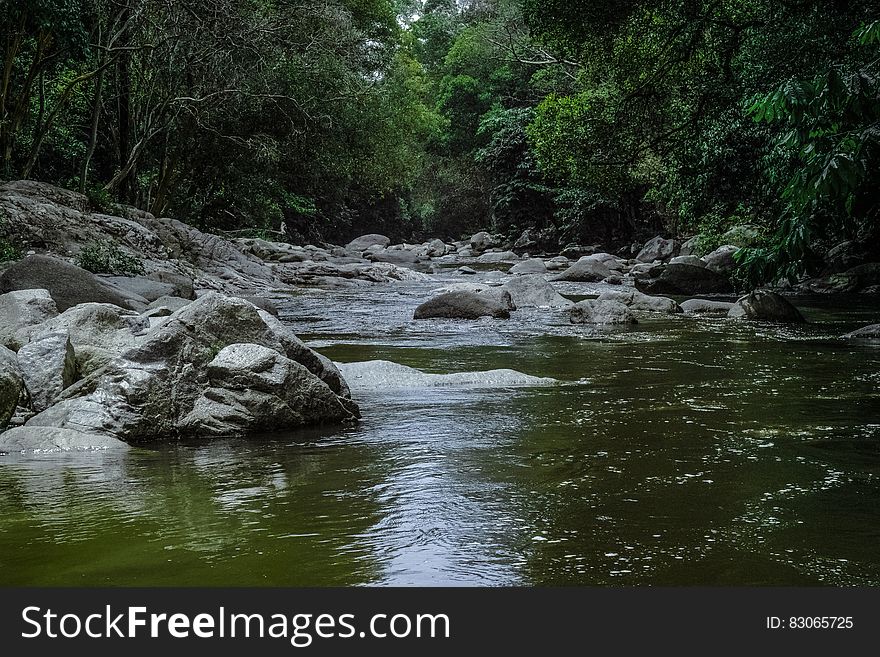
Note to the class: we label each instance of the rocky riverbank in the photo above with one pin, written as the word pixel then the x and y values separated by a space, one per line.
pixel 190 345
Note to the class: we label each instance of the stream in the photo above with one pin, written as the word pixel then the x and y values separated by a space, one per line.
pixel 679 451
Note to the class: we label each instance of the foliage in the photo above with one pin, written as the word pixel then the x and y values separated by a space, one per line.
pixel 107 257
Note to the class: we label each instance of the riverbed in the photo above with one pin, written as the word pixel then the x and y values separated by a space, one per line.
pixel 677 451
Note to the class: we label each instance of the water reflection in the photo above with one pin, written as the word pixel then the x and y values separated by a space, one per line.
pixel 679 451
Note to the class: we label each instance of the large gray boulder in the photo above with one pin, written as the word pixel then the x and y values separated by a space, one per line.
pixel 482 241
pixel 534 291
pixel 399 257
pixel 461 305
pixel 20 312
pixel 66 283
pixel 48 366
pixel 493 257
pixel 589 269
pixel 530 266
pixel 685 280
pixel 52 439
pixel 150 390
pixel 364 242
pixel 635 300
pixel 254 388
pixel 871 332
pixel 687 260
pixel 657 249
pixel 494 292
pixel 11 385
pixel 766 306
pixel 594 311
pixel 142 286
pixel 705 307
pixel 721 259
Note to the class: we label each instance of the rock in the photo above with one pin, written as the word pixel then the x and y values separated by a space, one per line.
pixel 705 307
pixel 721 259
pixel 364 242
pixel 498 256
pixel 482 241
pixel 11 385
pixel 685 280
pixel 466 252
pixel 533 290
pixel 461 305
pixel 140 286
pixel 866 275
pixel 171 303
pixel 150 391
pixel 67 284
pixel 20 311
pixel 600 312
pixel 766 306
pixel 525 242
pixel 635 300
pixel 183 285
pixel 491 291
pixel 687 260
pixel 588 269
pixel 48 366
pixel 384 375
pixel 871 332
pixel 742 236
pixel 253 388
pixel 435 248
pixel 691 247
pixel 465 271
pixel 98 332
pixel 577 251
pixel 657 249
pixel 557 263
pixel 613 280
pixel 399 257
pixel 51 439
pixel 262 303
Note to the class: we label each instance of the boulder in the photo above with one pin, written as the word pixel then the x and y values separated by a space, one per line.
pixel 721 259
pixel 530 266
pixel 67 284
pixel 150 391
pixel 482 241
pixel 263 303
pixel 635 300
pixel 20 311
pixel 525 242
pixel 52 439
pixel 48 366
pixel 657 249
pixel 384 375
pixel 705 307
pixel 140 286
pixel 871 332
pixel 594 311
pixel 690 247
pixel 364 242
pixel 252 388
pixel 11 385
pixel 498 256
pixel 461 305
pixel 399 257
pixel 685 280
pixel 588 269
pixel 687 260
pixel 493 291
pixel 435 248
pixel 742 236
pixel 465 271
pixel 533 290
pixel 171 303
pixel 766 306
pixel 183 285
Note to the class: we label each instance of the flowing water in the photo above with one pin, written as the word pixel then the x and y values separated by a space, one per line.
pixel 678 451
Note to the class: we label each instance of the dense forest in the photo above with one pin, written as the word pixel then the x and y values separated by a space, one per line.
pixel 581 120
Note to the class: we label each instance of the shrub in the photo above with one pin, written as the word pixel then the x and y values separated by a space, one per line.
pixel 107 257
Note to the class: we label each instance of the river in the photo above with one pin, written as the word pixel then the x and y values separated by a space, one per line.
pixel 679 451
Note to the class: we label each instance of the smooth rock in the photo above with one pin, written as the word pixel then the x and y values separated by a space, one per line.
pixel 685 280
pixel 588 269
pixel 594 311
pixel 871 332
pixel 482 241
pixel 706 307
pixel 22 310
pixel 384 375
pixel 364 242
pixel 66 283
pixel 721 260
pixel 533 290
pixel 141 286
pixel 657 249
pixel 687 260
pixel 171 303
pixel 766 306
pixel 635 300
pixel 48 366
pixel 530 266
pixel 52 439
pixel 11 385
pixel 461 305
pixel 497 256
